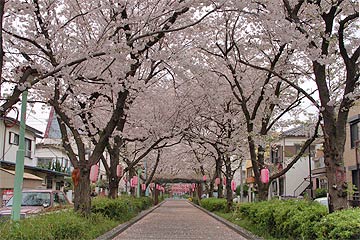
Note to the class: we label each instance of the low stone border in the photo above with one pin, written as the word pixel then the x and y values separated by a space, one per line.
pixel 122 227
pixel 243 232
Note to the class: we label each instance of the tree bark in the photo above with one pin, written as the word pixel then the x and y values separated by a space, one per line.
pixel 82 200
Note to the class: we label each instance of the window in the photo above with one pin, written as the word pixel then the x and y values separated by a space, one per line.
pixel 49 182
pixel 354 133
pixel 27 148
pixel 44 163
pixel 355 178
pixel 275 155
pixel 14 138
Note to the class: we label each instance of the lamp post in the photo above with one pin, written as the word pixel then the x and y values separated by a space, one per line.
pixel 19 167
pixel 147 188
pixel 138 182
pixel 310 178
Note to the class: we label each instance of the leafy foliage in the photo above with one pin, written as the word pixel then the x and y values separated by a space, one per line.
pixel 106 214
pixel 214 204
pixel 285 219
pixel 57 225
pixel 340 225
pixel 120 209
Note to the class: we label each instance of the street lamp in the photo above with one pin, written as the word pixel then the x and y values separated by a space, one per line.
pixel 310 173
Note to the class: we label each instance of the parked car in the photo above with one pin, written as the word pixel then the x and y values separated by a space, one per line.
pixel 36 201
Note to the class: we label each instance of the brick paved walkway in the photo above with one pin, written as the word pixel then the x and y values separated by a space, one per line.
pixel 178 219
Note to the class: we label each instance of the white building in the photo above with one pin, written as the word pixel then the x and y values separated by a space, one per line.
pixel 296 180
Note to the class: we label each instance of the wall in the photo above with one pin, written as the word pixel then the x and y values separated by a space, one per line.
pixel 349 154
pixel 9 151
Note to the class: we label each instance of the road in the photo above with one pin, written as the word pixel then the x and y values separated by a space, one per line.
pixel 178 219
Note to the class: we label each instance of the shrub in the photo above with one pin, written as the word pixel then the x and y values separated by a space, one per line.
pixel 245 190
pixel 213 204
pixel 320 192
pixel 120 209
pixel 340 225
pixel 57 225
pixel 284 219
pixel 106 214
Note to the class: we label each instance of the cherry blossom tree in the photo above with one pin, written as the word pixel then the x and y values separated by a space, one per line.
pixel 264 99
pixel 113 40
pixel 326 51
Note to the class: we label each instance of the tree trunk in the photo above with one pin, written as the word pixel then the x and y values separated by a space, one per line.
pixel 113 186
pixel 114 161
pixel 228 195
pixel 335 172
pixel 211 189
pixel 218 174
pixel 263 191
pixel 82 200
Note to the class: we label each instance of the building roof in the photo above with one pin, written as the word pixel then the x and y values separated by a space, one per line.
pixel 31 129
pixel 300 131
pixel 26 175
pixel 52 128
pixel 48 171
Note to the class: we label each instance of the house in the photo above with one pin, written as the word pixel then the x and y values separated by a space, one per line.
pixel 35 176
pixel 352 153
pixel 297 179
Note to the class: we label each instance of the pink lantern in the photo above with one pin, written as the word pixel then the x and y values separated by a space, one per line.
pixel 135 180
pixel 204 178
pixel 217 181
pixel 193 186
pixel 119 170
pixel 94 172
pixel 224 181
pixel 264 175
pixel 143 186
pixel 233 185
pixel 132 183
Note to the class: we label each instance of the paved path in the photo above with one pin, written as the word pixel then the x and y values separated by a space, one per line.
pixel 178 219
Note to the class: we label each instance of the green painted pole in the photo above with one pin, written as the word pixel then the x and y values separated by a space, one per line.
pixel 19 167
pixel 147 188
pixel 138 183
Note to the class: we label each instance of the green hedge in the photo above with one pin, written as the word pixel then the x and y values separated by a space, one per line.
pixel 120 209
pixel 57 225
pixel 340 225
pixel 213 204
pixel 106 214
pixel 284 219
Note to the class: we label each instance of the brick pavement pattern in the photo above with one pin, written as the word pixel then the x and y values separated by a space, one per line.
pixel 178 219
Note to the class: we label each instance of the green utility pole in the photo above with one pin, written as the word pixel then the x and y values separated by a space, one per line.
pixel 19 167
pixel 147 188
pixel 138 182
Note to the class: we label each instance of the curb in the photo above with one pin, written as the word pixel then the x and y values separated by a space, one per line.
pixel 122 227
pixel 243 232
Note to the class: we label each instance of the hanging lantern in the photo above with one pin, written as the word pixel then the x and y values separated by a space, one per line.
pixel 204 178
pixel 94 172
pixel 217 181
pixel 132 183
pixel 224 181
pixel 143 186
pixel 193 186
pixel 119 170
pixel 264 175
pixel 233 185
pixel 135 180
